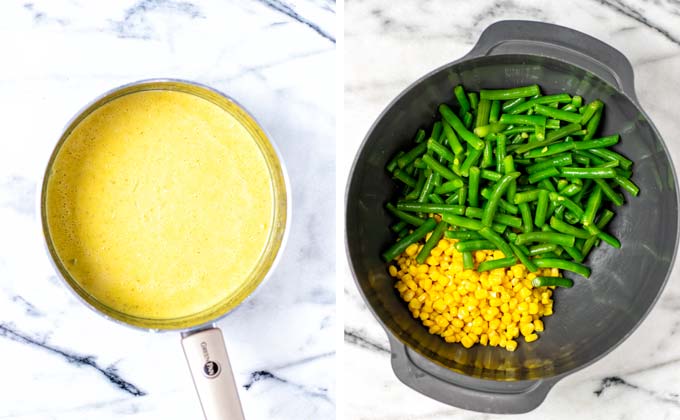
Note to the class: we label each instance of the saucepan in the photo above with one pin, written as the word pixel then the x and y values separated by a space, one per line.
pixel 202 341
pixel 590 319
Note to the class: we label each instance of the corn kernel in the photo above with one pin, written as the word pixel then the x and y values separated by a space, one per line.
pixel 533 308
pixel 531 337
pixel 511 345
pixel 538 325
pixel 527 329
pixel 393 271
pixel 467 342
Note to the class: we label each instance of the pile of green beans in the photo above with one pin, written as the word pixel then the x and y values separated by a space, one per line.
pixel 511 170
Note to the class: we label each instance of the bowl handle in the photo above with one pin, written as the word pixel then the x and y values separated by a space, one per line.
pixel 564 44
pixel 441 384
pixel 213 378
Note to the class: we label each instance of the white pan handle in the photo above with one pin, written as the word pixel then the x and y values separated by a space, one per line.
pixel 208 361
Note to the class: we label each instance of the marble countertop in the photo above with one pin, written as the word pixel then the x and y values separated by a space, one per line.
pixel 58 360
pixel 388 45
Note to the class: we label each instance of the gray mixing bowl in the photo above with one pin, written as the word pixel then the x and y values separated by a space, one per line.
pixel 590 319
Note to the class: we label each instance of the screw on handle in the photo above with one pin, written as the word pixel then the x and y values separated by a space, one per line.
pixel 558 42
pixel 208 361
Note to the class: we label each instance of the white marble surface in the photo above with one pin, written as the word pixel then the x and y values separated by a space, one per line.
pixel 58 360
pixel 390 44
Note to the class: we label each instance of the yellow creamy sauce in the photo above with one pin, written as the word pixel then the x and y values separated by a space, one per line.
pixel 160 204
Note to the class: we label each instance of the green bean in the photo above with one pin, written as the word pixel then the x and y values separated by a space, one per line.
pixel 523 119
pixel 496 193
pixel 496 239
pixel 520 129
pixel 473 186
pixel 574 253
pixel 526 196
pixel 568 229
pixel 550 150
pixel 541 175
pixel 526 106
pixel 591 127
pixel 492 128
pixel 503 205
pixel 598 143
pixel 500 153
pixel 454 143
pixel 495 111
pixel 419 233
pixel 403 232
pixel 458 126
pixel 541 249
pixel 436 147
pixel 610 164
pixel 608 192
pixel 505 94
pixel 495 264
pixel 487 156
pixel 558 114
pixel 449 187
pixel 627 185
pixel 471 160
pixel 474 245
pixel 398 226
pixel 611 155
pixel 462 234
pixel 577 268
pixel 439 168
pixel 512 103
pixel 473 97
pixel 483 111
pixel 541 208
pixel 405 178
pixel 411 155
pixel 462 98
pixel 467 120
pixel 588 245
pixel 427 188
pixel 546 184
pixel 571 190
pixel 568 203
pixel 435 198
pixel 432 241
pixel 392 164
pixel 415 193
pixel 590 110
pixel 523 258
pixel 552 281
pixel 509 167
pixel 550 237
pixel 589 173
pixel 505 219
pixel 468 261
pixel 461 221
pixel 462 195
pixel 430 207
pixel 436 130
pixel 562 132
pixel 592 206
pixel 406 217
pixel 490 175
pixel 420 136
pixel 610 239
pixel 527 217
pixel 555 161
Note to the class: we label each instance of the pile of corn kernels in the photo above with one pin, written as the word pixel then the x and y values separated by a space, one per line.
pixel 463 306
